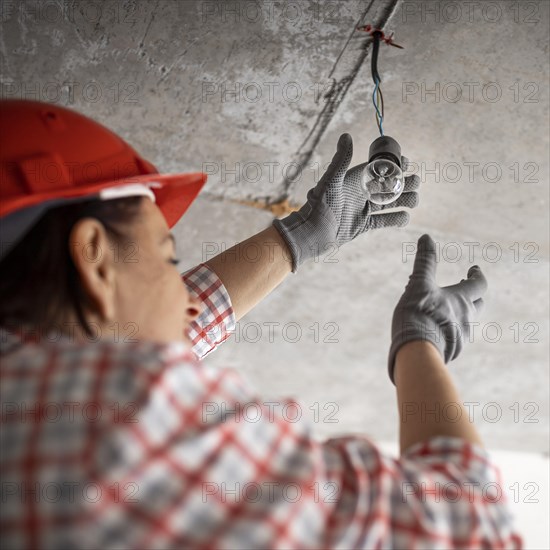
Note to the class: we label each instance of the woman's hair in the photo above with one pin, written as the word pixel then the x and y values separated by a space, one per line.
pixel 39 283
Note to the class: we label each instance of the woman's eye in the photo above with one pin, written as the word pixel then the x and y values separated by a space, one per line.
pixel 174 261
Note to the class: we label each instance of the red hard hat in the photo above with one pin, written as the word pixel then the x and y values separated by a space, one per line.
pixel 50 155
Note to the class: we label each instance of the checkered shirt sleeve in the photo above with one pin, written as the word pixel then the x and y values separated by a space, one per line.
pixel 161 451
pixel 217 321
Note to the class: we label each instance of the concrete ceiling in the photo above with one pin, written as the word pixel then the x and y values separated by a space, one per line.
pixel 249 90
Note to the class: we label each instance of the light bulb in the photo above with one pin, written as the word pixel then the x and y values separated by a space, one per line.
pixel 382 178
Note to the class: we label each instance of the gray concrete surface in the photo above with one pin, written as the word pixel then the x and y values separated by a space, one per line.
pixel 161 73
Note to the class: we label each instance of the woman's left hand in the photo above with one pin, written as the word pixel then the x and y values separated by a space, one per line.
pixel 337 210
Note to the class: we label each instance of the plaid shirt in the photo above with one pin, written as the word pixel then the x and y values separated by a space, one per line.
pixel 138 445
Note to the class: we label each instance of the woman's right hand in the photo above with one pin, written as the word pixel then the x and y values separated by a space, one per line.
pixel 441 316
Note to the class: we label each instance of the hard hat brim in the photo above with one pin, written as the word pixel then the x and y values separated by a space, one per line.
pixel 174 194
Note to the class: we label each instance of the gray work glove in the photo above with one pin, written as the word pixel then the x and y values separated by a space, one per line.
pixel 428 312
pixel 337 211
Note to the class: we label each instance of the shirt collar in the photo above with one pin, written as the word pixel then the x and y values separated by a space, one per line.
pixel 12 338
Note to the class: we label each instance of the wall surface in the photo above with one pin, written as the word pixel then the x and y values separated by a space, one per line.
pixel 248 91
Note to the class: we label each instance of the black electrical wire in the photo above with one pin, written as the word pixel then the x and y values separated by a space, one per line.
pixel 374 59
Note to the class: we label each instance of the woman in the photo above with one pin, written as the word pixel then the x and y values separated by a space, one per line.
pixel 115 436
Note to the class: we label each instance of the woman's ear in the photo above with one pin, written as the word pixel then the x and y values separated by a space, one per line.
pixel 90 252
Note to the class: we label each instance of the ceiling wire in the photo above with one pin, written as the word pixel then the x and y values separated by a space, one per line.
pixel 377 97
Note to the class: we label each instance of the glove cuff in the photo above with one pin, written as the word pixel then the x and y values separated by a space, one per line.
pixel 307 232
pixel 422 328
pixel 292 247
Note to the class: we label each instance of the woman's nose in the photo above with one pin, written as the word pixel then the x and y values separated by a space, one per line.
pixel 194 308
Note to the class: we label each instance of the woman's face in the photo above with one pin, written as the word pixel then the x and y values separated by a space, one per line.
pixel 136 287
pixel 151 292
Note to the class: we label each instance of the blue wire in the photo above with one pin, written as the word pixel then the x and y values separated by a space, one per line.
pixel 380 118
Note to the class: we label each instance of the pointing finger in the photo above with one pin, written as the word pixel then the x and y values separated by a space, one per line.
pixel 425 262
